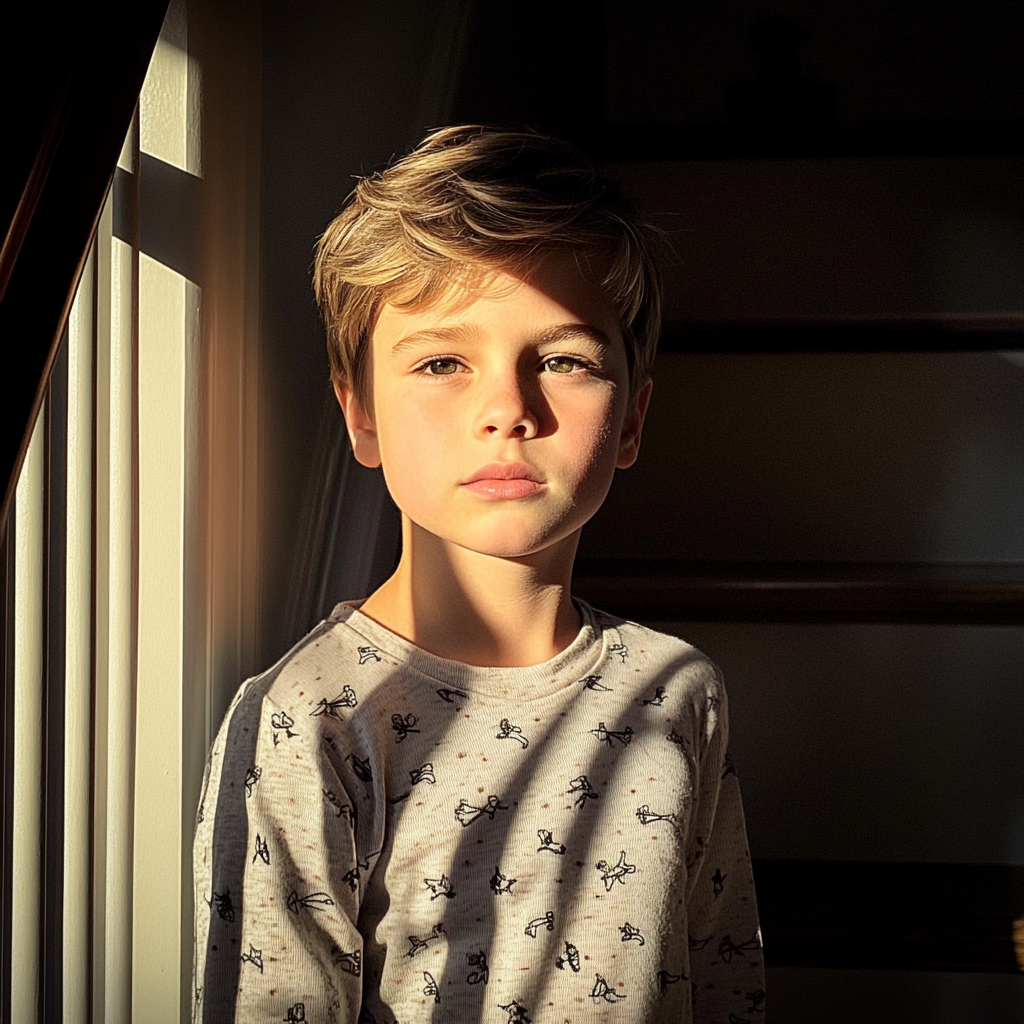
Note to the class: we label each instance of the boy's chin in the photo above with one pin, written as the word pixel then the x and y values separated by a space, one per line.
pixel 514 546
pixel 506 540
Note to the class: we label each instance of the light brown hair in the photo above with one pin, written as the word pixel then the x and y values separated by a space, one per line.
pixel 472 198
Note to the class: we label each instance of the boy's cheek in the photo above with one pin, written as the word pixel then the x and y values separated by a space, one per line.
pixel 413 457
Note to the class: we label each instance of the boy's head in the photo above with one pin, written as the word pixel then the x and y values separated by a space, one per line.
pixel 472 199
pixel 492 310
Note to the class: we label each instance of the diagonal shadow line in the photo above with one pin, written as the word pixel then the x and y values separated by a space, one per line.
pixel 384 818
pixel 577 833
pixel 453 972
pixel 454 969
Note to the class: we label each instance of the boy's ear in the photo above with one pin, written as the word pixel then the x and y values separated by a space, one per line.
pixel 361 429
pixel 632 427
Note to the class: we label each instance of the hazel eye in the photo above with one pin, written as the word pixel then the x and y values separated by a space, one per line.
pixel 441 367
pixel 561 364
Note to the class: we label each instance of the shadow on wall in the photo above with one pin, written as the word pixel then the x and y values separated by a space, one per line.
pixel 875 742
pixel 894 457
pixel 837 238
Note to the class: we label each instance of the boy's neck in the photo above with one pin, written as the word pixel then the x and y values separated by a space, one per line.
pixel 479 609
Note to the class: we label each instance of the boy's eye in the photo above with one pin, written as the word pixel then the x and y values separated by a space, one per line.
pixel 441 367
pixel 561 364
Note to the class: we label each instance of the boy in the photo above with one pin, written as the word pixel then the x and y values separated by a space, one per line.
pixel 469 797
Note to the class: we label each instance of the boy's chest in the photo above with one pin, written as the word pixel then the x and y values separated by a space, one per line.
pixel 529 843
pixel 538 782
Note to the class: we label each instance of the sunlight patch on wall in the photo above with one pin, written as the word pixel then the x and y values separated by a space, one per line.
pixel 170 108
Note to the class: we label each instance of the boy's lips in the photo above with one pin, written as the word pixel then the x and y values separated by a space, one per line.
pixel 505 480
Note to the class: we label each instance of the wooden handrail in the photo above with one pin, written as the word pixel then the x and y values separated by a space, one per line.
pixel 64 191
pixel 811 592
pixel 874 334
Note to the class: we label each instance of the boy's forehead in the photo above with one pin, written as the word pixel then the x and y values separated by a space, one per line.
pixel 554 296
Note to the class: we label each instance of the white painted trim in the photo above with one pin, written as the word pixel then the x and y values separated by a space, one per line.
pixel 168 329
pixel 78 650
pixel 120 682
pixel 26 841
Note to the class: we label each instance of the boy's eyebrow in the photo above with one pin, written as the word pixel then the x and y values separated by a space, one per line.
pixel 460 332
pixel 566 332
pixel 464 332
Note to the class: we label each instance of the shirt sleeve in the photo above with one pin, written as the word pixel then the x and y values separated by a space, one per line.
pixel 277 874
pixel 726 962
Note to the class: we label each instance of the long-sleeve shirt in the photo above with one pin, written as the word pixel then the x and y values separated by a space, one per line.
pixel 388 836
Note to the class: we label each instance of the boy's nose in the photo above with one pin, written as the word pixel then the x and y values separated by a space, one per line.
pixel 508 412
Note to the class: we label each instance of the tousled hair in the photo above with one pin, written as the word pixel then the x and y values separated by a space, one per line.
pixel 474 198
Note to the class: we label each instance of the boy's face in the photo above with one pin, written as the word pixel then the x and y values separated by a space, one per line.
pixel 501 413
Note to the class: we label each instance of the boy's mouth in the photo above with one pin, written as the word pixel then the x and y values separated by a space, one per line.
pixel 505 480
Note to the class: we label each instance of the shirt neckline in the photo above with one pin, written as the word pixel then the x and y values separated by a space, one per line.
pixel 525 682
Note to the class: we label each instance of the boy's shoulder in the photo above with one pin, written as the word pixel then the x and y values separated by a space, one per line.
pixel 304 679
pixel 334 652
pixel 643 640
pixel 675 671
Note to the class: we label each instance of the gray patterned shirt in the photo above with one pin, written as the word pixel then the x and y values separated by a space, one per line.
pixel 387 836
